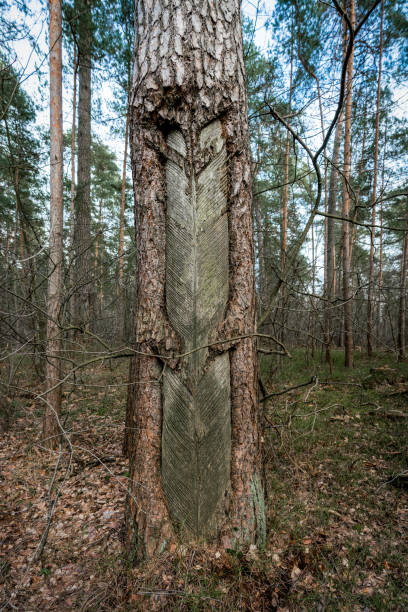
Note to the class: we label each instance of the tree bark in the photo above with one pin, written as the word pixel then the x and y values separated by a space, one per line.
pixel 121 310
pixel 284 209
pixel 380 312
pixel 260 234
pixel 83 283
pixel 370 302
pixel 402 353
pixel 73 190
pixel 53 368
pixel 348 306
pixel 359 182
pixel 98 260
pixel 331 238
pixel 195 450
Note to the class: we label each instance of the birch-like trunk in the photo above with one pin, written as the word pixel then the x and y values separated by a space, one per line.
pixel 193 436
pixel 53 368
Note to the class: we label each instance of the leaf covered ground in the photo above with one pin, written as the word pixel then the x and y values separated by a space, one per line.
pixel 336 466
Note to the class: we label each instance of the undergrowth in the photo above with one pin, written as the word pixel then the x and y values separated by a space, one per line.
pixel 335 465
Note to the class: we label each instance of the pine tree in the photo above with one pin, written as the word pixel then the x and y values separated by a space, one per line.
pixel 193 428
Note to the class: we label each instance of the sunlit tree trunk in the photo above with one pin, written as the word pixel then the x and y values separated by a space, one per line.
pixel 194 449
pixel 53 368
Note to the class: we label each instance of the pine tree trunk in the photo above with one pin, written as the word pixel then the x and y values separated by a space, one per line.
pixel 83 282
pixel 284 210
pixel 194 449
pixel 331 238
pixel 98 260
pixel 370 302
pixel 359 182
pixel 121 309
pixel 348 306
pixel 402 353
pixel 260 235
pixel 53 368
pixel 73 190
pixel 380 312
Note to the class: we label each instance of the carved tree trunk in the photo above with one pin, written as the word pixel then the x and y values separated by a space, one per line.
pixel 53 368
pixel 193 437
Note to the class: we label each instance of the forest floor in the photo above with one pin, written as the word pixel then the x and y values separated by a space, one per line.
pixel 336 465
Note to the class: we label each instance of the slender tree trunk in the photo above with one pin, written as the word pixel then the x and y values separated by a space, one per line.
pixel 380 330
pixel 370 302
pixel 313 313
pixel 53 368
pixel 402 353
pixel 83 286
pixel 259 234
pixel 98 260
pixel 358 190
pixel 348 306
pixel 326 220
pixel 194 453
pixel 120 297
pixel 285 198
pixel 331 237
pixel 73 190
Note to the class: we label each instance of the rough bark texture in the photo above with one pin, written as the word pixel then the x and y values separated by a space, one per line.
pixel 348 306
pixel 83 282
pixel 53 368
pixel 188 108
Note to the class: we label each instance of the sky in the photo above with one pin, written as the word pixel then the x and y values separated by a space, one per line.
pixel 31 62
